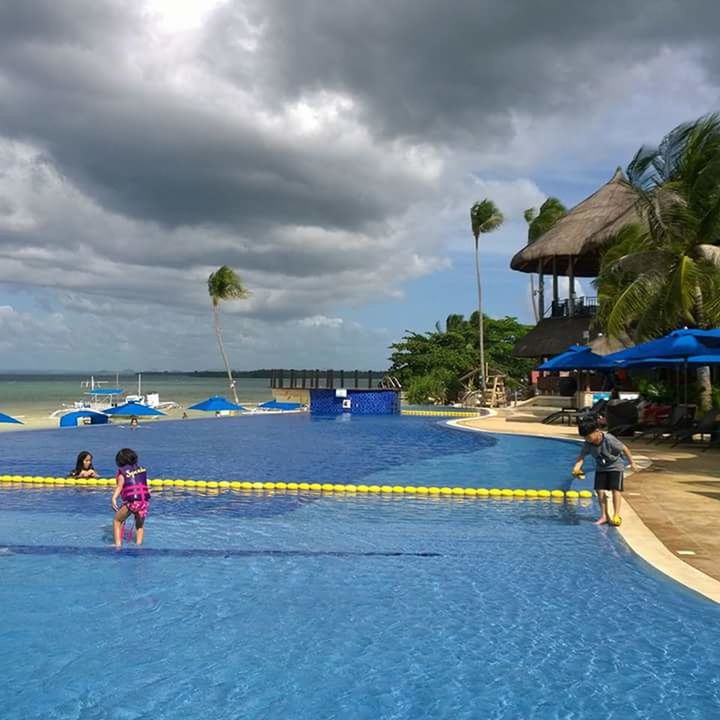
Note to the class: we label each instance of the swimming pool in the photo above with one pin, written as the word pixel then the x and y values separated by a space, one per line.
pixel 294 606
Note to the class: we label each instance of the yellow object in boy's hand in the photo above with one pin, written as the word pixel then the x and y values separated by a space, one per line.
pixel 617 521
pixel 579 474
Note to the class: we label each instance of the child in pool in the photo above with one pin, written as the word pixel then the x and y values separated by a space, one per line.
pixel 133 489
pixel 83 466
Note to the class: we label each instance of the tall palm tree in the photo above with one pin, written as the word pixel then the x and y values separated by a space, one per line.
pixel 665 273
pixel 539 222
pixel 224 284
pixel 484 218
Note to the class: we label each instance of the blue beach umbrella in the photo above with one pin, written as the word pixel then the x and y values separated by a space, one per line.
pixel 8 419
pixel 682 344
pixel 216 404
pixel 133 408
pixel 277 405
pixel 578 357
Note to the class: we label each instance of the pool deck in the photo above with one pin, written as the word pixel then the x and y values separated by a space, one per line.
pixel 673 521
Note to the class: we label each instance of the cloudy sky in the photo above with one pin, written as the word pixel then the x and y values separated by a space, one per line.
pixel 328 150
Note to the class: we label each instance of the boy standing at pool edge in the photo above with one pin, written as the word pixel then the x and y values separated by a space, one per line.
pixel 608 453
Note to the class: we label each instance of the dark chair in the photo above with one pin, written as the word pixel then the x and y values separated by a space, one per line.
pixel 682 421
pixel 704 426
pixel 622 417
pixel 676 420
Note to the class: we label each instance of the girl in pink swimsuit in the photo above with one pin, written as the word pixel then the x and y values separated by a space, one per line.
pixel 133 489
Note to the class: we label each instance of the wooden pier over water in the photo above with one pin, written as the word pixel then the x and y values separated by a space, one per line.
pixel 310 379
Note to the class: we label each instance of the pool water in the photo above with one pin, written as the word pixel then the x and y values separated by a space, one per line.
pixel 314 607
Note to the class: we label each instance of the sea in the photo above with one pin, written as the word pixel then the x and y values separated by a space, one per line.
pixel 39 395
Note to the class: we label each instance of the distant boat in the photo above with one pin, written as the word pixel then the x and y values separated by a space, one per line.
pixel 99 398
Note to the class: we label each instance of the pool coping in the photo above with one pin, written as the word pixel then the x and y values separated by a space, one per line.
pixel 638 536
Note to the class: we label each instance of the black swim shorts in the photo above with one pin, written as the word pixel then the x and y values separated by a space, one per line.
pixel 609 480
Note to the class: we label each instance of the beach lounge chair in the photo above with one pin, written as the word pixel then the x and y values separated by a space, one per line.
pixel 702 427
pixel 675 421
pixel 572 414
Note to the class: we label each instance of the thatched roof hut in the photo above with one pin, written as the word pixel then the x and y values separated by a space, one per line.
pixel 582 232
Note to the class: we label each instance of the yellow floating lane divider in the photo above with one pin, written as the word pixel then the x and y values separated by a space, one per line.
pixel 441 413
pixel 324 488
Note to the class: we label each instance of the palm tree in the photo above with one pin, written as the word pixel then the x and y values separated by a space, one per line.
pixel 484 218
pixel 539 222
pixel 665 273
pixel 224 284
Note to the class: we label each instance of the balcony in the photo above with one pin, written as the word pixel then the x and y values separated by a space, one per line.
pixel 582 307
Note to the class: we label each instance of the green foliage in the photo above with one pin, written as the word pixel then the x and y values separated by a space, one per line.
pixel 225 284
pixel 540 222
pixel 429 365
pixel 665 273
pixel 716 397
pixel 484 218
pixel 656 390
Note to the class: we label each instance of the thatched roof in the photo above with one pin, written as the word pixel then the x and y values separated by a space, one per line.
pixel 552 336
pixel 583 231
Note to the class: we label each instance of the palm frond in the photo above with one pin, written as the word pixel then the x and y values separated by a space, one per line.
pixel 484 218
pixel 225 284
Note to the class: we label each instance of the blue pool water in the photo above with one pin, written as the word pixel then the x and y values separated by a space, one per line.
pixel 319 607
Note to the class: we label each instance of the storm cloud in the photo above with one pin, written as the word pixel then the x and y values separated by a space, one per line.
pixel 326 150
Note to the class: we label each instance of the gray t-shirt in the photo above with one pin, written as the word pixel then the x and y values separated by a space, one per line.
pixel 608 454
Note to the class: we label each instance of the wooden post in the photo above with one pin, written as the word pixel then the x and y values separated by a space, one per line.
pixel 571 274
pixel 541 289
pixel 357 379
pixel 330 380
pixel 317 378
pixel 272 379
pixel 280 378
pixel 342 378
pixel 304 375
pixel 292 379
pixel 369 378
pixel 555 279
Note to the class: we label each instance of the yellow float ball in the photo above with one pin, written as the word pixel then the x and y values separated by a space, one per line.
pixel 374 488
pixel 362 488
pixel 236 485
pixel 212 484
pixel 350 488
pixel 81 481
pixel 410 489
pixel 572 494
pixel 519 493
pixel 257 486
pixel 398 489
pixel 472 492
pixel 483 491
pixel 292 486
pixel 268 486
pixel 281 486
pixel 495 492
pixel 92 481
pixel 167 482
pixel 71 481
pixel 386 488
pixel 433 491
pixel 178 483
pixel 458 491
pixel 445 491
pixel 585 494
pixel 339 488
pixel 315 487
pixel 304 486
pixel 544 493
pixel 506 492
pixel 223 484
pixel 557 493
pixel 201 483
pixel 421 490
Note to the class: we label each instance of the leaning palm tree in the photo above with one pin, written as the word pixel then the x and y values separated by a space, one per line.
pixel 224 284
pixel 484 218
pixel 665 273
pixel 539 222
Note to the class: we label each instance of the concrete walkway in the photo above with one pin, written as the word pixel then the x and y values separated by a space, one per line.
pixel 674 519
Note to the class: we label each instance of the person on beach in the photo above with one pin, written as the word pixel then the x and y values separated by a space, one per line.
pixel 608 453
pixel 133 489
pixel 83 466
